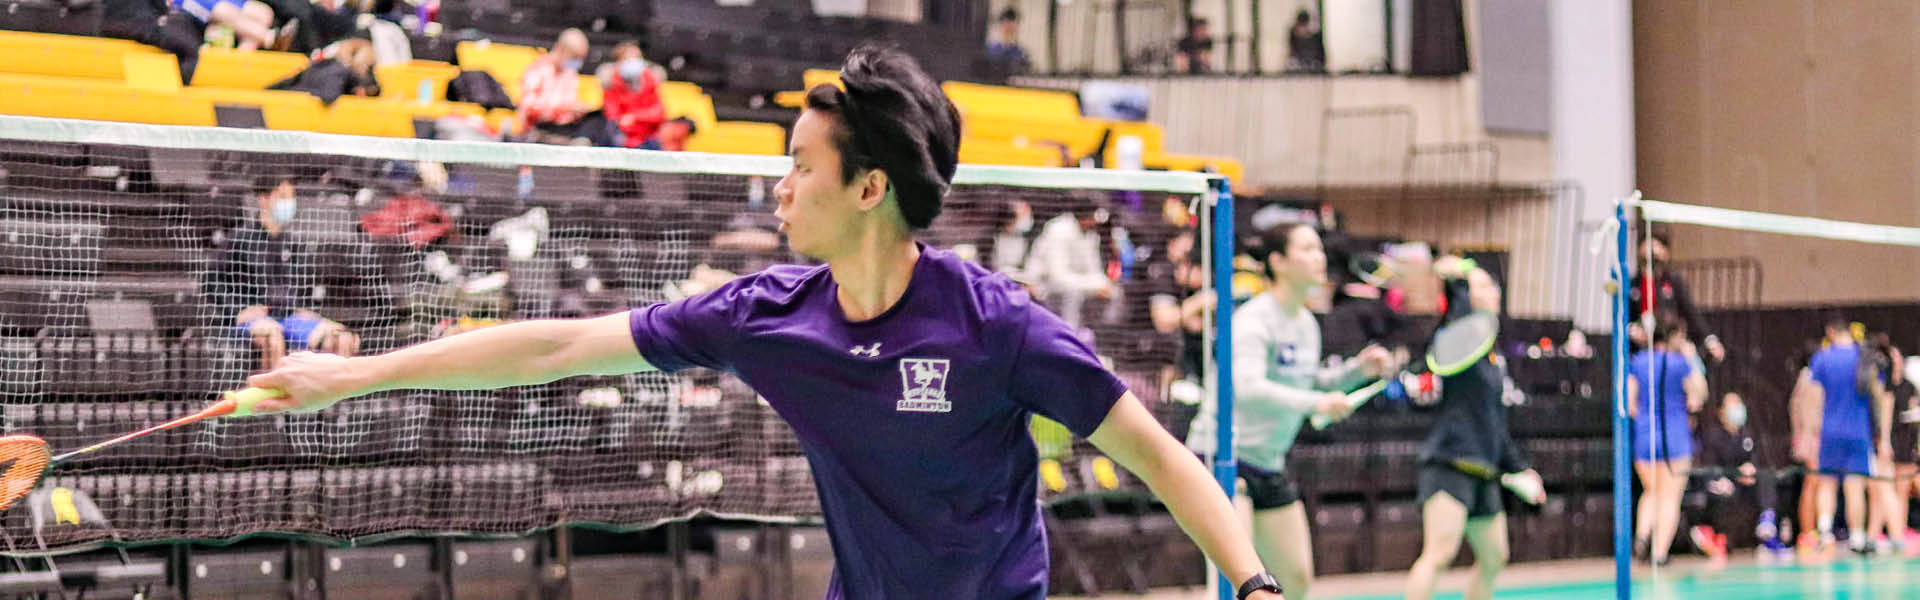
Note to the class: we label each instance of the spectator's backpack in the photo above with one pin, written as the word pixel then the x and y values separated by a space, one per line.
pixel 479 88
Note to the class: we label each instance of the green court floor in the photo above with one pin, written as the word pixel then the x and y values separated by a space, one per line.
pixel 1844 578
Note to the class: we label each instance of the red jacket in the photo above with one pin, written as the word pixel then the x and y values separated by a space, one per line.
pixel 637 112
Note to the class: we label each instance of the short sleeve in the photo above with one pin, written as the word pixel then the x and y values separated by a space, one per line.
pixel 1058 376
pixel 697 331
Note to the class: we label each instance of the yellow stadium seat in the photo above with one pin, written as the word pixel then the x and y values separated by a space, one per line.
pixel 505 62
pixel 504 120
pixel 361 116
pixel 284 110
pixel 982 151
pixel 738 137
pixel 684 99
pixel 1019 115
pixel 1229 167
pixel 591 96
pixel 813 78
pixel 76 98
pixel 66 55
pixel 151 72
pixel 402 80
pixel 367 112
pixel 255 70
pixel 1031 102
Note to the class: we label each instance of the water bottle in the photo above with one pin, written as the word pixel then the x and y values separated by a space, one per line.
pixel 425 93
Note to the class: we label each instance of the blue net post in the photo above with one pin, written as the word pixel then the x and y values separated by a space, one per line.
pixel 1223 252
pixel 1622 470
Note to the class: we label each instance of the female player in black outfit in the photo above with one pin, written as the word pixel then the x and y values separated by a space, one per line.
pixel 1468 454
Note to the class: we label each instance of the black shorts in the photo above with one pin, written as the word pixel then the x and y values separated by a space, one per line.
pixel 1481 496
pixel 1903 443
pixel 1268 489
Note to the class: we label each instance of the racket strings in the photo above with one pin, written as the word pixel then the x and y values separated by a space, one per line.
pixel 23 461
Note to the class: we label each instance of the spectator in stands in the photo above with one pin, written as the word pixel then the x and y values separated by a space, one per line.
pixel 550 109
pixel 150 22
pixel 1003 50
pixel 1196 50
pixel 342 69
pixel 632 96
pixel 1064 263
pixel 1009 245
pixel 1735 486
pixel 672 135
pixel 1305 51
pixel 1667 291
pixel 253 279
pixel 251 20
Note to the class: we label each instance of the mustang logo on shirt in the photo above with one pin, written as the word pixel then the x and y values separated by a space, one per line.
pixel 925 383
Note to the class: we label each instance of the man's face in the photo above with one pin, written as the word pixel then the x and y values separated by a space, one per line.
pixel 1305 264
pixel 816 204
pixel 1009 29
pixel 284 191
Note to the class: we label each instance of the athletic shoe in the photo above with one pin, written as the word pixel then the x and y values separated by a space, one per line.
pixel 1642 548
pixel 1767 529
pixel 1710 543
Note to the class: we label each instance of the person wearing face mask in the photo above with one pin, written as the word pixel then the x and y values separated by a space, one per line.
pixel 550 109
pixel 1735 486
pixel 632 97
pixel 257 278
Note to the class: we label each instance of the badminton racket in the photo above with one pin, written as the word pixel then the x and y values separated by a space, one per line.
pixel 1372 268
pixel 1455 347
pixel 25 458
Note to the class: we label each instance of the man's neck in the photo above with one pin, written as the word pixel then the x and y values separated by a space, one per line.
pixel 1291 298
pixel 875 277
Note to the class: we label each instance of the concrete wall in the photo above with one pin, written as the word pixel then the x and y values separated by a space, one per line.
pixel 1792 106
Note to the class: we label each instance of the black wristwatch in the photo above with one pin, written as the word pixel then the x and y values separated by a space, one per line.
pixel 1261 582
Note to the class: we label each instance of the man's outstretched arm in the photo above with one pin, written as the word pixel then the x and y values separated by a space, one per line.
pixel 524 353
pixel 1135 440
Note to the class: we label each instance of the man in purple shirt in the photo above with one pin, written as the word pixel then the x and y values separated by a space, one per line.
pixel 908 374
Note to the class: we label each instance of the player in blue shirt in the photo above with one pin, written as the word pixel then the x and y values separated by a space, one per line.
pixel 908 374
pixel 1665 390
pixel 1854 419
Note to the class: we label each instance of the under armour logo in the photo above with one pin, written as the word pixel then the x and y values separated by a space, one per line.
pixel 871 351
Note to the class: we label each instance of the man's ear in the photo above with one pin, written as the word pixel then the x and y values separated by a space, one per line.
pixel 873 189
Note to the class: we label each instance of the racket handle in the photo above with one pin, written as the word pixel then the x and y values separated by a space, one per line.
pixel 1356 398
pixel 239 403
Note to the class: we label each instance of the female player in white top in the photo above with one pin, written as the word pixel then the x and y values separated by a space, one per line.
pixel 1279 382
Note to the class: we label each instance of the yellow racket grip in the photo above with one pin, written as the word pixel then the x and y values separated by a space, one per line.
pixel 244 400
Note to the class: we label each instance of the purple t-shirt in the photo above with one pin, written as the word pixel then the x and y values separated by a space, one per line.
pixel 915 422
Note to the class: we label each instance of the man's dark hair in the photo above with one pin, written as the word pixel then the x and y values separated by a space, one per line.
pixel 1836 322
pixel 894 118
pixel 1010 14
pixel 266 183
pixel 1274 241
pixel 1303 17
pixel 1196 23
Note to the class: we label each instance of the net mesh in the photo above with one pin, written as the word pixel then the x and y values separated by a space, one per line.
pixel 133 252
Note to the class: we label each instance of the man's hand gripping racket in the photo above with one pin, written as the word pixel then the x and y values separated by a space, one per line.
pixel 25 458
pixel 1455 348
